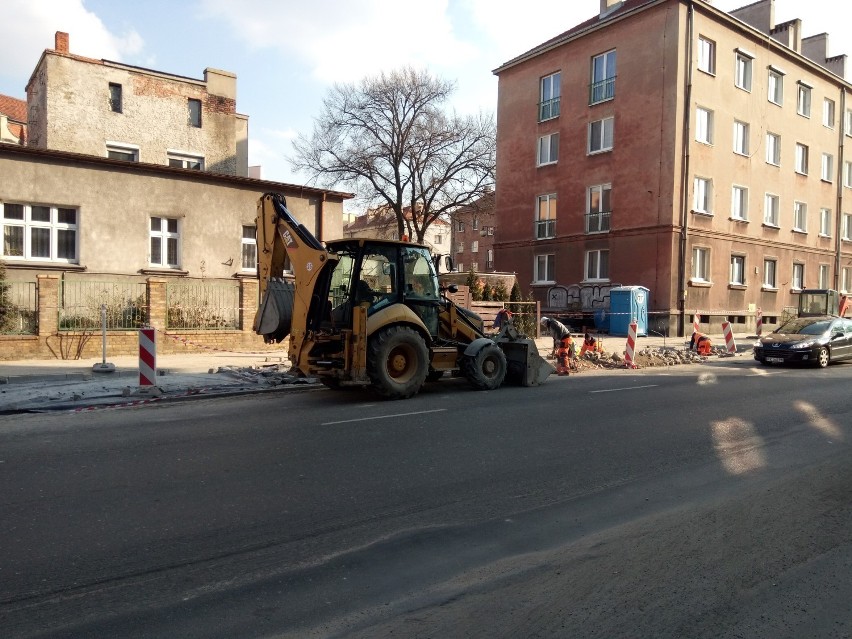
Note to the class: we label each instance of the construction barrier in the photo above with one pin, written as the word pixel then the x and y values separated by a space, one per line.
pixel 629 357
pixel 147 357
pixel 729 337
pixel 758 324
pixel 696 322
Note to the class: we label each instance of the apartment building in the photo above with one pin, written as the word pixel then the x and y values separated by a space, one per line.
pixel 701 154
pixel 380 223
pixel 473 236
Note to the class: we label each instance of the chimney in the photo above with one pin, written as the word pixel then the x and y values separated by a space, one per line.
pixel 608 6
pixel 61 40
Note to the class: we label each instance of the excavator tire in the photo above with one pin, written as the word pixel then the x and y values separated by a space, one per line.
pixel 485 370
pixel 397 362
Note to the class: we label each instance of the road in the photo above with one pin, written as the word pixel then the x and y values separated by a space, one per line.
pixel 697 501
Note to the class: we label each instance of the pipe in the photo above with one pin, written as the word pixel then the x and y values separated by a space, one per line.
pixel 684 178
pixel 838 214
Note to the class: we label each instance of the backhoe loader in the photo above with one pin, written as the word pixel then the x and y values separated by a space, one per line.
pixel 365 312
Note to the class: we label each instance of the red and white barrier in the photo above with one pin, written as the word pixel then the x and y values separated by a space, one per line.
pixel 696 322
pixel 759 322
pixel 147 357
pixel 629 357
pixel 729 337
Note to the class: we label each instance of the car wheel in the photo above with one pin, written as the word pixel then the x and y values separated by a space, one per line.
pixel 823 357
pixel 487 369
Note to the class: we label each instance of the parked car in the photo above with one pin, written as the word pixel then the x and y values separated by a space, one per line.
pixel 821 339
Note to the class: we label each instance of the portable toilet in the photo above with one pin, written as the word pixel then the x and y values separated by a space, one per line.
pixel 626 304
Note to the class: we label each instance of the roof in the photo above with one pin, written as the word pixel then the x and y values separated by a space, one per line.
pixel 13 108
pixel 381 217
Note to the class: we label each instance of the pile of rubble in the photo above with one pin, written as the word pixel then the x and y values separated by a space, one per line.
pixel 266 375
pixel 645 358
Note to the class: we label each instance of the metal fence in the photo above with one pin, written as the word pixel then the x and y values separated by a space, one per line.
pixel 80 305
pixel 18 308
pixel 202 306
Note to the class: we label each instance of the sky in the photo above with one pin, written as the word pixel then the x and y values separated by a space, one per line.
pixel 288 54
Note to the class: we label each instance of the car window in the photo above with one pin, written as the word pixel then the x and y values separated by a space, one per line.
pixel 805 326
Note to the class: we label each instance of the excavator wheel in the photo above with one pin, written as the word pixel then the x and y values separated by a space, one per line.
pixel 397 362
pixel 486 369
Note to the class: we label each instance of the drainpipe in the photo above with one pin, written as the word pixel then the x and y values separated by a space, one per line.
pixel 838 216
pixel 684 177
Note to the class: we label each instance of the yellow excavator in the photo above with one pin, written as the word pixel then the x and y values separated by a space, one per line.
pixel 365 312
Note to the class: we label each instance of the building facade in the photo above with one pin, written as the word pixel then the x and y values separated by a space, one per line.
pixel 668 144
pixel 473 236
pixel 380 223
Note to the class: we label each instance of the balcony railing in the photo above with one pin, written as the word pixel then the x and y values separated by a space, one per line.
pixel 602 91
pixel 598 222
pixel 545 229
pixel 548 109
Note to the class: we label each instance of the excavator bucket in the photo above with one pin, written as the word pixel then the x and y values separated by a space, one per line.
pixel 525 367
pixel 275 315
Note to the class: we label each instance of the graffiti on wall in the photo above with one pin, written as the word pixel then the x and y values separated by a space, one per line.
pixel 585 297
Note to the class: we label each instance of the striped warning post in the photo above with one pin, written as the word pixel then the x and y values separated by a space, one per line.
pixel 758 324
pixel 147 357
pixel 629 357
pixel 729 337
pixel 696 322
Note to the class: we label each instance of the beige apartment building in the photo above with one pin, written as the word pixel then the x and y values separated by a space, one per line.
pixel 668 144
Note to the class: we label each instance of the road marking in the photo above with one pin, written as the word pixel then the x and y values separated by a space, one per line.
pixel 612 390
pixel 366 419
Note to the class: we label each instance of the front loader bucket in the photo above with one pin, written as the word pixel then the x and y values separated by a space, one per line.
pixel 525 367
pixel 275 315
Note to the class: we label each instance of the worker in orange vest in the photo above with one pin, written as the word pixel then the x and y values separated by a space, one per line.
pixel 591 345
pixel 566 355
pixel 700 343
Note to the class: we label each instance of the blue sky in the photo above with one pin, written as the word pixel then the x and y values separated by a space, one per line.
pixel 288 53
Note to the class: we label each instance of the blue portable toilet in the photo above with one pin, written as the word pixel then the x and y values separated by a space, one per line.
pixel 628 303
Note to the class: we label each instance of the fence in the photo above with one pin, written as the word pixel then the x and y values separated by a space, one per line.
pixel 20 310
pixel 80 305
pixel 202 306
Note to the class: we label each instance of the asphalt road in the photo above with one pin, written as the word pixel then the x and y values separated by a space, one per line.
pixel 702 501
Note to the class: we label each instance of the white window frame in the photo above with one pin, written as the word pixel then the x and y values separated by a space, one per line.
pixel 545 216
pixel 700 264
pixel 543 268
pixel 703 125
pixel 743 70
pixel 164 236
pixel 489 258
pixel 702 196
pixel 802 151
pixel 603 139
pixel 828 112
pixel 187 160
pixel 460 267
pixel 775 86
pixel 845 279
pixel 439 239
pixel 825 216
pixel 739 203
pixel 602 87
pixel 547 151
pixel 847 174
pixel 125 149
pixel 474 246
pixel 847 127
pixel 847 227
pixel 771 210
pixel 770 274
pixel 600 214
pixel 803 99
pixel 550 90
pixel 773 149
pixel 459 247
pixel 824 276
pixel 248 248
pixel 800 216
pixel 797 282
pixel 30 224
pixel 596 266
pixel 827 167
pixel 706 55
pixel 741 138
pixel 737 271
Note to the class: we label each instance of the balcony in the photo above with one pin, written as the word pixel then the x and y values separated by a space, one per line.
pixel 602 91
pixel 545 229
pixel 598 222
pixel 548 109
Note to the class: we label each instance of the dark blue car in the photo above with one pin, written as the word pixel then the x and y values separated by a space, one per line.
pixel 820 340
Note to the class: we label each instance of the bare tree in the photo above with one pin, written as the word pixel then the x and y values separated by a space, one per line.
pixel 389 140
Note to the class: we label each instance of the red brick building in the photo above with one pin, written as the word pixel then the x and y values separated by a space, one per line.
pixel 473 236
pixel 669 144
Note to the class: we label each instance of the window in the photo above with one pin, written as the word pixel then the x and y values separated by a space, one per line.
pixel 598 208
pixel 548 149
pixel 771 208
pixel 828 113
pixel 847 174
pixel 248 249
pixel 545 220
pixel 801 159
pixel 739 203
pixel 126 152
pixel 475 224
pixel 115 97
pixel 824 271
pixel 601 135
pixel 741 138
pixel 460 247
pixel 489 230
pixel 773 149
pixel 700 264
pixel 194 107
pixel 743 71
pixel 550 93
pixel 704 125
pixel 803 101
pixel 439 239
pixel 825 222
pixel 474 266
pixel 182 161
pixel 603 78
pixel 38 232
pixel 827 167
pixel 738 270
pixel 706 55
pixel 776 86
pixel 800 217
pixel 798 282
pixel 702 196
pixel 845 280
pixel 597 265
pixel 474 246
pixel 770 277
pixel 164 242
pixel 847 227
pixel 848 126
pixel 489 258
pixel 543 268
pixel 460 226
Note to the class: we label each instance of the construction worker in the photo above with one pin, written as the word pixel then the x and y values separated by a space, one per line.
pixel 566 356
pixel 503 315
pixel 557 330
pixel 700 343
pixel 591 345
